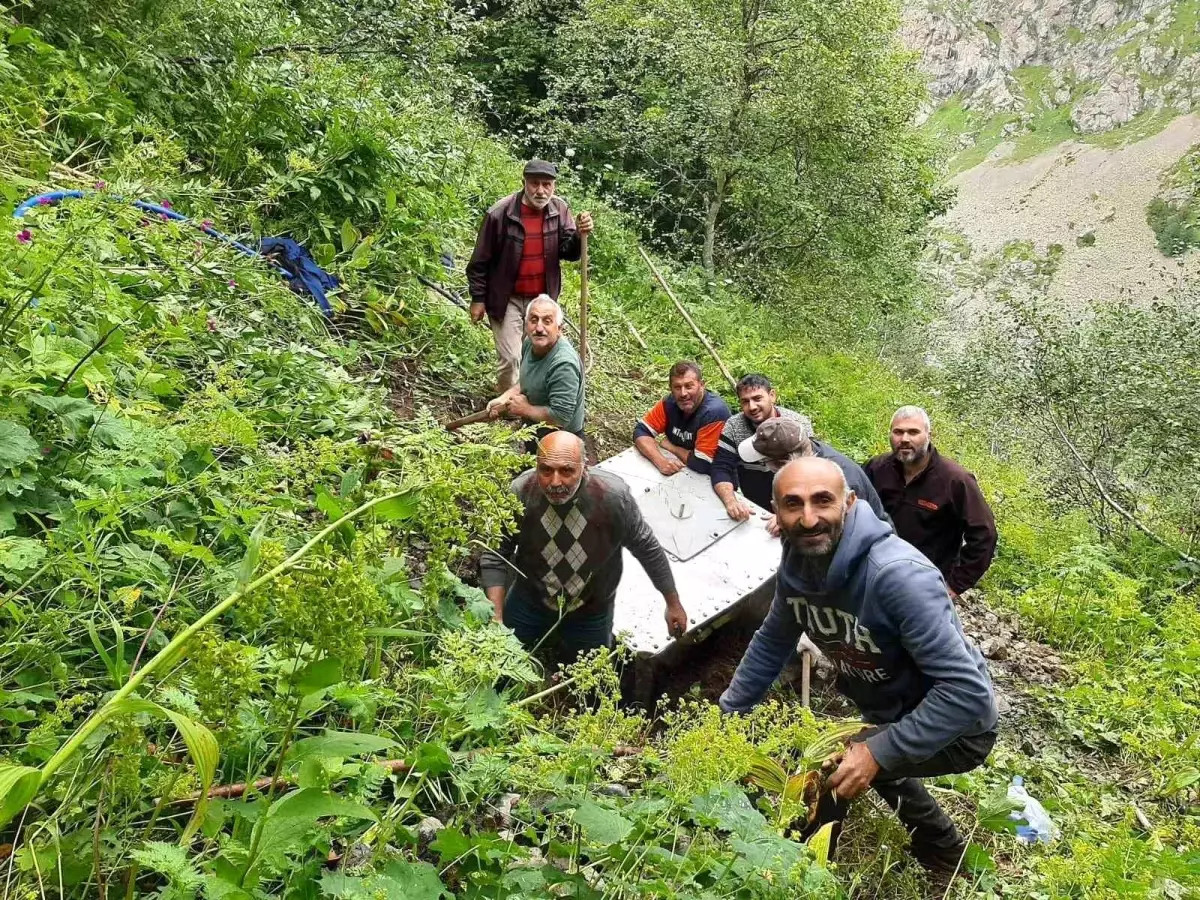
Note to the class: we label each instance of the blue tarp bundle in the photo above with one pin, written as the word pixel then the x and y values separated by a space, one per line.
pixel 290 260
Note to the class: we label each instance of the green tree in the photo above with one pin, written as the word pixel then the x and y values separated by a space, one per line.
pixel 770 132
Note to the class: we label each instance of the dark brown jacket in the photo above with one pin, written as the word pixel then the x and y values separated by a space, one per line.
pixel 492 270
pixel 942 512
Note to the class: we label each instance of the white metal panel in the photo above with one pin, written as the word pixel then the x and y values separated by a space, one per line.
pixel 720 571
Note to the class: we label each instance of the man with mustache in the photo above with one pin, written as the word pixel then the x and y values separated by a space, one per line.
pixel 689 421
pixel 556 577
pixel 935 503
pixel 879 611
pixel 550 392
pixel 516 258
pixel 729 470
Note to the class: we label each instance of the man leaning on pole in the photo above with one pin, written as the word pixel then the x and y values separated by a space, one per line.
pixel 516 258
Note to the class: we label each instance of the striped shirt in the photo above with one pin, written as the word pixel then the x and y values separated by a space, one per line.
pixel 698 432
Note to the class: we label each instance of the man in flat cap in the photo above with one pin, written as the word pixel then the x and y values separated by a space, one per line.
pixel 516 258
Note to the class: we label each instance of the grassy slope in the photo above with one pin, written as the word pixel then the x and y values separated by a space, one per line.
pixel 423 349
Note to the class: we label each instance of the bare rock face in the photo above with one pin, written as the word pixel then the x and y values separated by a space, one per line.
pixel 1116 103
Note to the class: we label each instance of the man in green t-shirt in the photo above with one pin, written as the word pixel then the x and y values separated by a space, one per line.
pixel 550 392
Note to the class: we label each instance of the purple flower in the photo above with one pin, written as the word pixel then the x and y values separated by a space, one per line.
pixel 232 283
pixel 164 217
pixel 206 224
pixel 166 204
pixel 44 201
pixel 25 236
pixel 99 185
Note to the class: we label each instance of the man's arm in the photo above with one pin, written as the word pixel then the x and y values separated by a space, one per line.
pixel 979 537
pixel 645 438
pixel 724 477
pixel 915 599
pixel 499 405
pixel 479 265
pixel 764 659
pixel 568 235
pixel 495 569
pixel 708 439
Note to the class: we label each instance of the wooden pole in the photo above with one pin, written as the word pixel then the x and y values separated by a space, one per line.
pixel 583 300
pixel 683 312
pixel 481 416
pixel 805 677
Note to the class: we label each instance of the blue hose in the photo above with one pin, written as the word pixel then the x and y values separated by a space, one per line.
pixel 53 198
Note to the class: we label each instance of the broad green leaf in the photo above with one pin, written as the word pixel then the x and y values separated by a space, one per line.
pixel 361 256
pixel 994 810
pixel 19 554
pixel 600 824
pixel 334 511
pixel 397 509
pixel 402 880
pixel 216 888
pixel 341 886
pixel 250 560
pixel 318 675
pixel 767 774
pixel 819 843
pixel 977 860
pixel 312 804
pixel 18 785
pixel 17 445
pixel 1181 781
pixel 349 236
pixel 726 806
pixel 432 759
pixel 339 745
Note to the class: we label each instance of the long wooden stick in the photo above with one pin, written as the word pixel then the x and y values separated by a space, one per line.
pixel 805 677
pixel 455 424
pixel 683 312
pixel 583 300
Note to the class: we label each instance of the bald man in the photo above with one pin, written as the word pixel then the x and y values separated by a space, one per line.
pixel 880 612
pixel 565 557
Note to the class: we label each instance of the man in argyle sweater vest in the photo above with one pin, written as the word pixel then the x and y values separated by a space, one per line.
pixel 557 576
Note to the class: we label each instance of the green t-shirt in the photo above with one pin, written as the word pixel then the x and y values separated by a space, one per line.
pixel 555 381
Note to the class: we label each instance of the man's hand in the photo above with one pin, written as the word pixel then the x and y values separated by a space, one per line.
pixel 773 525
pixel 668 464
pixel 497 407
pixel 856 772
pixel 519 406
pixel 677 618
pixel 737 510
pixel 584 223
pixel 478 311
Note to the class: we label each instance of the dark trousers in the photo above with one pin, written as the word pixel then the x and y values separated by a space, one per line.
pixel 534 623
pixel 935 840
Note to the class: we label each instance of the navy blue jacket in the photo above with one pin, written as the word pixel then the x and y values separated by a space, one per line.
pixel 882 615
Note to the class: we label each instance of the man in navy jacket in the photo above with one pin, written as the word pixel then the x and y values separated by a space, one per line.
pixel 880 612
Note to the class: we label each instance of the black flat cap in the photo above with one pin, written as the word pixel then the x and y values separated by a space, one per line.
pixel 541 167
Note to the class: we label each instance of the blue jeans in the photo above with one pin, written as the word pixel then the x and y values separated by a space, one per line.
pixel 531 620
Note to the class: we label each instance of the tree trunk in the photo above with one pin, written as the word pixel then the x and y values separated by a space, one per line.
pixel 712 213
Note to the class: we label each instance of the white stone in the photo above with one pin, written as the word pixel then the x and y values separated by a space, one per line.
pixel 1116 103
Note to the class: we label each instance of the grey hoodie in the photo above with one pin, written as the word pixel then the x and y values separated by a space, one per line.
pixel 883 617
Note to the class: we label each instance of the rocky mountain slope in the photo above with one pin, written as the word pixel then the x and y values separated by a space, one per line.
pixel 1064 122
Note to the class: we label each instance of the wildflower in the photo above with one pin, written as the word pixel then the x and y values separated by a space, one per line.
pixel 166 204
pixel 25 236
pixel 232 283
pixel 44 201
pixel 100 185
pixel 206 225
pixel 164 217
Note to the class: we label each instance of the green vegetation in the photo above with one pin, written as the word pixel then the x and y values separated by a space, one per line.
pixel 177 430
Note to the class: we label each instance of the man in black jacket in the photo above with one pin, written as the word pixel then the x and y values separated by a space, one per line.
pixel 516 258
pixel 935 504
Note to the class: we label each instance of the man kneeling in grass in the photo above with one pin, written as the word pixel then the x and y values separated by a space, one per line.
pixel 881 613
pixel 566 554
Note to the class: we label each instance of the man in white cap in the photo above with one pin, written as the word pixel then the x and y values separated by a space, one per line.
pixel 778 441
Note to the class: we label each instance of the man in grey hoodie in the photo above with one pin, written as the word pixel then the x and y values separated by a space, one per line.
pixel 879 610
